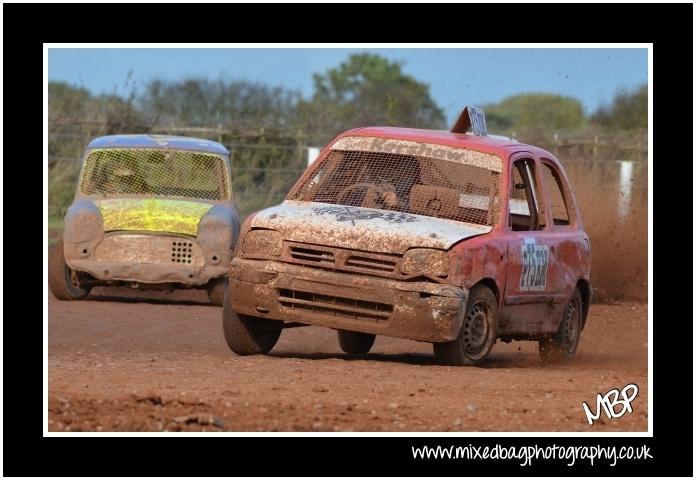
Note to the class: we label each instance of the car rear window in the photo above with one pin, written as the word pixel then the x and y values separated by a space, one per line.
pixel 154 172
pixel 413 177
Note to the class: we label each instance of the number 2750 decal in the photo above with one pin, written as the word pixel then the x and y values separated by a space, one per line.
pixel 535 265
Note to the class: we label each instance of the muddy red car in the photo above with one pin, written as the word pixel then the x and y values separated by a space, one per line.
pixel 447 237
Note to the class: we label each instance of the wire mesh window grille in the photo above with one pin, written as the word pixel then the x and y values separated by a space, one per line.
pixel 155 172
pixel 434 180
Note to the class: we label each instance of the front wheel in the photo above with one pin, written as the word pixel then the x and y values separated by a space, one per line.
pixel 63 280
pixel 355 343
pixel 248 335
pixel 564 343
pixel 478 333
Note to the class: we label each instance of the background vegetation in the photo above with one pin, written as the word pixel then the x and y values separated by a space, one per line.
pixel 268 129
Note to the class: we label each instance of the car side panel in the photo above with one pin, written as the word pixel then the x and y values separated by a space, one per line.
pixel 533 290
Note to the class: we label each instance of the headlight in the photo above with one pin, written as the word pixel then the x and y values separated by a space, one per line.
pixel 426 261
pixel 262 243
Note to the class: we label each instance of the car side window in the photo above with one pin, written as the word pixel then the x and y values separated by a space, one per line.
pixel 557 200
pixel 526 212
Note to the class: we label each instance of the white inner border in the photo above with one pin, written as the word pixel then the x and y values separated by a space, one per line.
pixel 649 433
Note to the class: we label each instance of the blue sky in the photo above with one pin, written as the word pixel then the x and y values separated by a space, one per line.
pixel 457 77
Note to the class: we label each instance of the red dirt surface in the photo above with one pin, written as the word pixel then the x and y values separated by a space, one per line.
pixel 136 362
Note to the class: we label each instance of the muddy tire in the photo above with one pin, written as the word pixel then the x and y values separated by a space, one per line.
pixel 564 343
pixel 355 343
pixel 478 334
pixel 247 335
pixel 216 290
pixel 61 280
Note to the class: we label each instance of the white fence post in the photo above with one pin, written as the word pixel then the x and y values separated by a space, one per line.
pixel 312 154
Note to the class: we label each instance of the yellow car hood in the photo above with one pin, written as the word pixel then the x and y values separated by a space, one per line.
pixel 152 214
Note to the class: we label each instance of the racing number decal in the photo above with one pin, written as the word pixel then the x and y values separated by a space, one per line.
pixel 535 264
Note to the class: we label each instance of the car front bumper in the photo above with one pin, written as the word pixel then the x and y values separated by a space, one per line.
pixel 424 311
pixel 147 258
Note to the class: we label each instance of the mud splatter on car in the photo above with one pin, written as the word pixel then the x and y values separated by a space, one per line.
pixel 150 211
pixel 446 237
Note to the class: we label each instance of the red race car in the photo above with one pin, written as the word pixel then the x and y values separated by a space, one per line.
pixel 448 237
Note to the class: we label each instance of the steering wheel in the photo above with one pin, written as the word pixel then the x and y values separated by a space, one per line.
pixel 373 192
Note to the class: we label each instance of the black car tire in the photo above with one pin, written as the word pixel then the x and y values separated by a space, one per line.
pixel 564 343
pixel 248 335
pixel 478 333
pixel 355 343
pixel 61 280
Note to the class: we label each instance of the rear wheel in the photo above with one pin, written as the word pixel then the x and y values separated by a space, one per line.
pixel 248 335
pixel 355 343
pixel 478 334
pixel 63 280
pixel 564 343
pixel 216 290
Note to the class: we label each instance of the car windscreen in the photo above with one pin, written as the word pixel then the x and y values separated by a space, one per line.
pixel 413 177
pixel 124 171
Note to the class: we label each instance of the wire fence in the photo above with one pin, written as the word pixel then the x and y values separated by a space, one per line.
pixel 266 163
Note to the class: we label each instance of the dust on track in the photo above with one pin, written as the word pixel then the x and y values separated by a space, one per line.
pixel 133 362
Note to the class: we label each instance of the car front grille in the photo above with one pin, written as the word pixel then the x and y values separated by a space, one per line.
pixel 312 254
pixel 334 306
pixel 149 249
pixel 334 258
pixel 182 252
pixel 377 264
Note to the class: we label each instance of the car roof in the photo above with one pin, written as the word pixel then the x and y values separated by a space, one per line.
pixel 158 141
pixel 496 145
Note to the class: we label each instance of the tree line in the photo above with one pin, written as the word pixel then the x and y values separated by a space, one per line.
pixel 272 125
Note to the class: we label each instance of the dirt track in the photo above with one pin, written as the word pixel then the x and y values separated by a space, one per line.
pixel 131 364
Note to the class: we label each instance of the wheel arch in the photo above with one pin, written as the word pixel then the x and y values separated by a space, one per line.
pixel 490 283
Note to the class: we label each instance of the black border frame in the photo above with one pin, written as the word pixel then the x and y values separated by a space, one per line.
pixel 26 27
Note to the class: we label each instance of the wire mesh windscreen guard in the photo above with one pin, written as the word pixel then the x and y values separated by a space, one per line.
pixel 412 177
pixel 156 172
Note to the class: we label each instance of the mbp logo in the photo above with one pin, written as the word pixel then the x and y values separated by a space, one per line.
pixel 610 400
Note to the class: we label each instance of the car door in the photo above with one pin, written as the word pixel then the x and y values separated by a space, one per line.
pixel 563 228
pixel 530 301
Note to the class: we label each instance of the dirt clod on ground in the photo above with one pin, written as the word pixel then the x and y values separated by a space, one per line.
pixel 136 362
